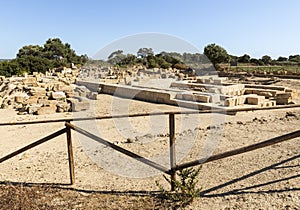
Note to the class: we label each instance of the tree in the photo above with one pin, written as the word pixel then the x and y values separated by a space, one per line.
pixel 31 58
pixel 266 59
pixel 144 52
pixel 294 58
pixel 244 59
pixel 256 61
pixel 30 50
pixel 216 54
pixel 282 59
pixel 115 53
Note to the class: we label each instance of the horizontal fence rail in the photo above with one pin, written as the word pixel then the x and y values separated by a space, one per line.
pixel 242 150
pixel 209 111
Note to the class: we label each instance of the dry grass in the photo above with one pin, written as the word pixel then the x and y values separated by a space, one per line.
pixel 20 196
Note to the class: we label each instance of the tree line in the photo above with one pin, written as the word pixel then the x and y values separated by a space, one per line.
pixel 54 53
pixel 34 58
pixel 213 53
pixel 218 55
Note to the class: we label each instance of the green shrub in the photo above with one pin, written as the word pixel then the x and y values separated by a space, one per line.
pixel 185 188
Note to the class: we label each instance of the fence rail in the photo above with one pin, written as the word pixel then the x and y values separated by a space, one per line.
pixel 174 167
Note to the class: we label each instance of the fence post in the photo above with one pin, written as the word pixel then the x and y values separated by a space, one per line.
pixel 70 155
pixel 172 150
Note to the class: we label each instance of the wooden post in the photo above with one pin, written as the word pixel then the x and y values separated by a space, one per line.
pixel 172 150
pixel 70 155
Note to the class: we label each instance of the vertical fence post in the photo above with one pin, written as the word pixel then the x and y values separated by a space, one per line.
pixel 172 150
pixel 70 155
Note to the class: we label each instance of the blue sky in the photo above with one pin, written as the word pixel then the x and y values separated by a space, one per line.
pixel 255 27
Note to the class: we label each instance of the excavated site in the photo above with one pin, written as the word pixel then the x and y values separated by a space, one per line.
pixel 264 107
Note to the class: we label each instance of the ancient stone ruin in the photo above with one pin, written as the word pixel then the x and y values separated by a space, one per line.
pixel 44 94
pixel 67 89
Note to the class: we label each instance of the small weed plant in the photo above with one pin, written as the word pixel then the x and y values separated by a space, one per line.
pixel 185 188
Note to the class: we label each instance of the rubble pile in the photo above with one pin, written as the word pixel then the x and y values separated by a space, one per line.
pixel 127 76
pixel 44 94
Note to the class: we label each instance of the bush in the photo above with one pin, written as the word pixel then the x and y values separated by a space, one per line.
pixel 185 188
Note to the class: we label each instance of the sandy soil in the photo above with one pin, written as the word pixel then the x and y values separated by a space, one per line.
pixel 267 178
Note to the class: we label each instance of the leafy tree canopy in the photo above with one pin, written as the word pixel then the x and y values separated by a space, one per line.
pixel 216 54
pixel 32 58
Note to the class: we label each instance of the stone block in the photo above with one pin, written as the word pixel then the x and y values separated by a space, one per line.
pixel 230 102
pixel 19 99
pixel 78 106
pixel 265 94
pixel 32 109
pixel 219 81
pixel 202 98
pixel 93 95
pixel 37 91
pixel 255 99
pixel 269 103
pixel 46 110
pixel 30 81
pixel 63 107
pixel 44 101
pixel 31 100
pixel 294 92
pixel 215 98
pixel 248 91
pixel 179 96
pixel 59 95
pixel 284 95
pixel 188 97
pixel 240 100
pixel 283 101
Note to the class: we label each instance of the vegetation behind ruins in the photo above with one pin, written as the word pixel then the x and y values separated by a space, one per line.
pixel 54 53
pixel 35 58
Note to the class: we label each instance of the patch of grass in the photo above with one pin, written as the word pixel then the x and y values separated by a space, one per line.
pixel 24 197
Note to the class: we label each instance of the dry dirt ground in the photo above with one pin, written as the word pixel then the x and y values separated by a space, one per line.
pixel 266 178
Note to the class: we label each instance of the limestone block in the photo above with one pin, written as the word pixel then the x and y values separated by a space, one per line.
pixel 215 98
pixel 179 96
pixel 284 95
pixel 240 100
pixel 230 102
pixel 43 101
pixel 37 91
pixel 31 100
pixel 59 95
pixel 248 91
pixel 294 92
pixel 188 97
pixel 57 86
pixel 30 81
pixel 93 95
pixel 202 98
pixel 46 110
pixel 283 101
pixel 269 103
pixel 255 99
pixel 32 109
pixel 63 107
pixel 265 94
pixel 78 106
pixel 19 99
pixel 219 81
